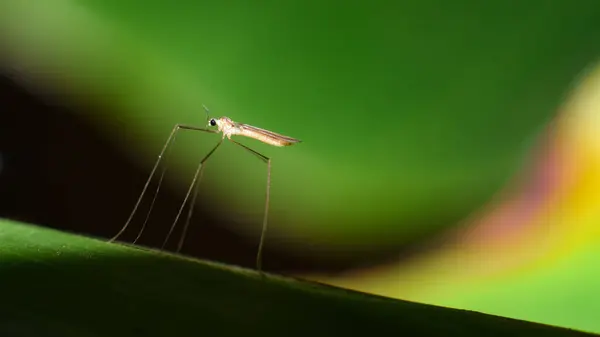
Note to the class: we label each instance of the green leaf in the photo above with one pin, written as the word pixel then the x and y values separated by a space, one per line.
pixel 59 284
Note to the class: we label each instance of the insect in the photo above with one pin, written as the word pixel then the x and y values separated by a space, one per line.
pixel 227 128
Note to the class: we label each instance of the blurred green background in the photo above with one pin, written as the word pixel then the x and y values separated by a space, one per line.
pixel 413 114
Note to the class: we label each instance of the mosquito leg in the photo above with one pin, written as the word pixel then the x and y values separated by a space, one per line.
pixel 266 214
pixel 162 175
pixel 176 128
pixel 190 190
pixel 190 211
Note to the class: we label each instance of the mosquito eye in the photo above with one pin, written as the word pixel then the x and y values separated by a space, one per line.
pixel 213 122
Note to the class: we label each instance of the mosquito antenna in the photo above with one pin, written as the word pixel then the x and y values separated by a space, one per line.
pixel 207 113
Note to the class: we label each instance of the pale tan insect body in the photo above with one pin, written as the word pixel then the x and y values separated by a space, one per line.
pixel 230 128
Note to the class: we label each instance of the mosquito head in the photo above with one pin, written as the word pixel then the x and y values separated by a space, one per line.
pixel 219 123
pixel 212 121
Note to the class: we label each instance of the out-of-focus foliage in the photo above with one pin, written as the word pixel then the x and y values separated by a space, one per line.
pixel 533 252
pixel 412 114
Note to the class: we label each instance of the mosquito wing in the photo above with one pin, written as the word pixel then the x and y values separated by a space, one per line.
pixel 265 136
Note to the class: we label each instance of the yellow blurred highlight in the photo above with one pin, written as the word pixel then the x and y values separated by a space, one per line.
pixel 546 215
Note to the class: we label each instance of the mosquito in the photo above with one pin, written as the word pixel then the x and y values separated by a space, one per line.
pixel 227 128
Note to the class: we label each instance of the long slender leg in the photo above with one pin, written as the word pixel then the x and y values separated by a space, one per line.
pixel 162 175
pixel 198 170
pixel 190 211
pixel 266 214
pixel 176 128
